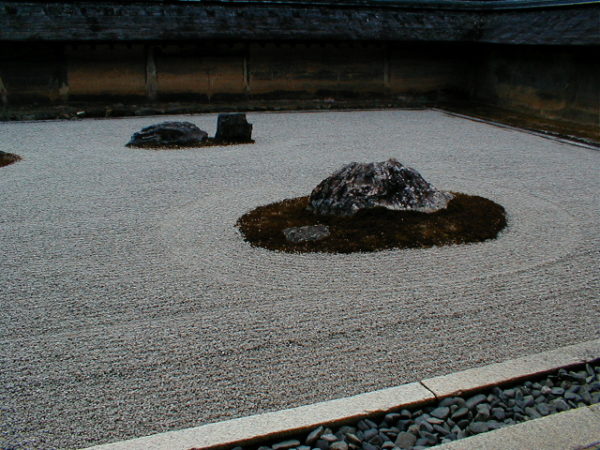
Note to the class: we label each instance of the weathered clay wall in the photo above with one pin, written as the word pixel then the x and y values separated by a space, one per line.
pixel 550 82
pixel 209 71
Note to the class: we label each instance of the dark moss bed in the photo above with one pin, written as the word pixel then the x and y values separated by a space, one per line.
pixel 8 158
pixel 467 218
pixel 210 142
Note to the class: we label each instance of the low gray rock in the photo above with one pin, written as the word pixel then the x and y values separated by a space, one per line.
pixel 306 233
pixel 233 128
pixel 168 134
pixel 387 184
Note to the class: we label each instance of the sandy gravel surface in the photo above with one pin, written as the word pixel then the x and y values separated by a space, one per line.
pixel 130 305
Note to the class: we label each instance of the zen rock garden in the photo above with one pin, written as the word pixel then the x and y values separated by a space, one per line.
pixel 366 207
pixel 8 158
pixel 231 129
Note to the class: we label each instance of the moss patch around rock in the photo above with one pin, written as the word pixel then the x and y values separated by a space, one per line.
pixel 467 219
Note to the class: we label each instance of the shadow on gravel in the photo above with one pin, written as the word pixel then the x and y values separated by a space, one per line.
pixel 466 219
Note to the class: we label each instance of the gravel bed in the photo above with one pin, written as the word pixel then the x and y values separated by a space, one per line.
pixel 131 305
pixel 454 418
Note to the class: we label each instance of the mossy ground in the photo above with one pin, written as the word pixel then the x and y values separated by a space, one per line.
pixel 8 158
pixel 210 142
pixel 466 219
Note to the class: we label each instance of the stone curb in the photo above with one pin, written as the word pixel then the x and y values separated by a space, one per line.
pixel 279 424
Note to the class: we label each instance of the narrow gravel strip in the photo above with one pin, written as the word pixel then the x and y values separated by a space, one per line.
pixel 131 305
pixel 454 418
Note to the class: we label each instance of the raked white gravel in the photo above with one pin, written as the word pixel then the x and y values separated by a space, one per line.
pixel 131 305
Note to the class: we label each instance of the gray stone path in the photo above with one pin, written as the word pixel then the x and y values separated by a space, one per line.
pixel 130 304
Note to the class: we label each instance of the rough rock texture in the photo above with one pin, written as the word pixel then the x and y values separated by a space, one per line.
pixel 307 233
pixel 169 134
pixel 233 128
pixel 386 184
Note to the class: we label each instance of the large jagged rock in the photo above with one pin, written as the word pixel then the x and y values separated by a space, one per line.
pixel 386 184
pixel 233 128
pixel 168 134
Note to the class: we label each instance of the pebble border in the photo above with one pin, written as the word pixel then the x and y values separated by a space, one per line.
pixel 278 426
pixel 455 417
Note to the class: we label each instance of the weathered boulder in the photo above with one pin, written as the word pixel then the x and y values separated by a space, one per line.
pixel 386 184
pixel 168 134
pixel 306 233
pixel 232 128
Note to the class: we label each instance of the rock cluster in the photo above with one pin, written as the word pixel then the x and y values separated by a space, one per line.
pixel 231 129
pixel 454 418
pixel 386 184
pixel 168 134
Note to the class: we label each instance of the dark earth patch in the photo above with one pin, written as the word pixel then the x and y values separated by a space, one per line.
pixel 209 142
pixel 467 219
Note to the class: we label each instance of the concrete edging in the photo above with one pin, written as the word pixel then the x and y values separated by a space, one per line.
pixel 276 424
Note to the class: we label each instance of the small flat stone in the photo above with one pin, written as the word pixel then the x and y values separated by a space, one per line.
pixel 498 413
pixel 440 429
pixel 353 439
pixel 528 400
pixel 460 413
pixel 329 437
pixel 314 435
pixel 483 413
pixel 405 440
pixel 338 445
pixel 572 396
pixel 286 444
pixel 510 393
pixel 475 400
pixel 463 423
pixel 449 401
pixel 440 412
pixel 306 233
pixel 405 414
pixel 362 425
pixel 532 413
pixel 543 409
pixel 435 420
pixel 370 433
pixel 431 438
pixel 392 417
pixel 557 391
pixel 478 427
pixel 560 405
